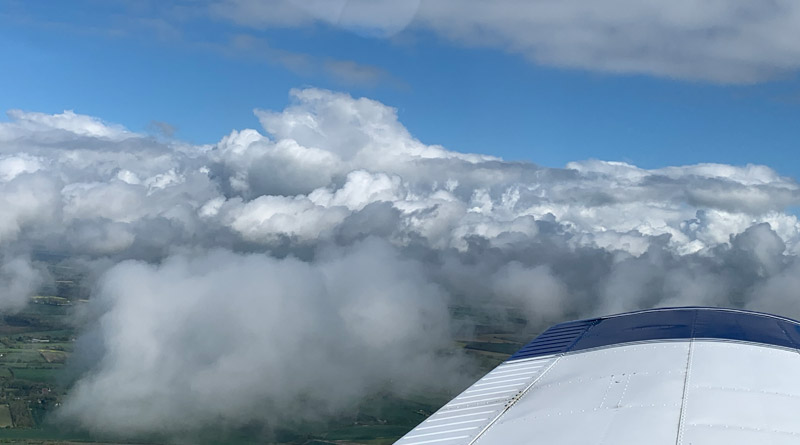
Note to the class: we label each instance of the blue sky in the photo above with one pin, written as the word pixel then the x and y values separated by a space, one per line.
pixel 204 74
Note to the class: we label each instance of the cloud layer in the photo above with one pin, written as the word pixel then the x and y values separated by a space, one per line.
pixel 720 41
pixel 317 261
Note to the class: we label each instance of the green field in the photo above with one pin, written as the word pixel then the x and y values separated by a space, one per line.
pixel 5 417
pixel 42 375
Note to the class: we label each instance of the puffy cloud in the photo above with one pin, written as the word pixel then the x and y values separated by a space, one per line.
pixel 534 288
pixel 257 166
pixel 230 338
pixel 19 278
pixel 13 166
pixel 68 122
pixel 357 131
pixel 268 217
pixel 27 201
pixel 316 259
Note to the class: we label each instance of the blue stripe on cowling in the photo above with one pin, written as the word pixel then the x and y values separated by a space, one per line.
pixel 555 340
pixel 664 324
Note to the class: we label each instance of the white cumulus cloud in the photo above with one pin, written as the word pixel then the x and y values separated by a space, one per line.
pixel 318 258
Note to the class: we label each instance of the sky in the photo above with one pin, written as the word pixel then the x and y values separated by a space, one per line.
pixel 201 68
pixel 335 177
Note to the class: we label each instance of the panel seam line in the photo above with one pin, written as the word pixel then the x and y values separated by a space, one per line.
pixel 522 393
pixel 514 400
pixel 686 378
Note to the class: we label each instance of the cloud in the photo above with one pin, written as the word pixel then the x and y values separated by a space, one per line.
pixel 163 128
pixel 19 278
pixel 174 24
pixel 352 73
pixel 342 71
pixel 319 259
pixel 68 121
pixel 227 338
pixel 736 42
pixel 717 41
pixel 374 18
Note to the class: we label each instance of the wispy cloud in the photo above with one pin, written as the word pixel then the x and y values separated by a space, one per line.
pixel 735 42
pixel 163 128
pixel 174 24
pixel 728 42
pixel 344 72
pixel 355 74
